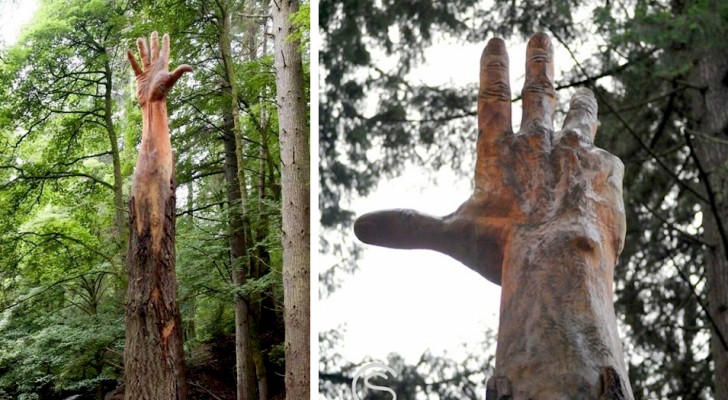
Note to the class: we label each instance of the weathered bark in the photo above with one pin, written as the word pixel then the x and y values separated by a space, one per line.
pixel 709 117
pixel 546 221
pixel 241 236
pixel 153 351
pixel 244 364
pixel 261 258
pixel 153 354
pixel 295 183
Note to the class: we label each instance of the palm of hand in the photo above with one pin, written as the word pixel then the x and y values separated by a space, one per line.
pixel 154 81
pixel 525 179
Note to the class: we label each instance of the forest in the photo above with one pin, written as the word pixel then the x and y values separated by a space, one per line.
pixel 658 70
pixel 70 131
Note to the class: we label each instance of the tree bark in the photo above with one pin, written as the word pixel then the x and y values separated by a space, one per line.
pixel 239 220
pixel 244 365
pixel 153 352
pixel 295 181
pixel 260 260
pixel 709 116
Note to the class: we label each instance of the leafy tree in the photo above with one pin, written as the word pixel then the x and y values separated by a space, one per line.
pixel 59 181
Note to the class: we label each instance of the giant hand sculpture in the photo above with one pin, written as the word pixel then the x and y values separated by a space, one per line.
pixel 154 173
pixel 546 221
pixel 153 351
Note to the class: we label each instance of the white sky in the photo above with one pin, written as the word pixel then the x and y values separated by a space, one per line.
pixel 410 301
pixel 13 15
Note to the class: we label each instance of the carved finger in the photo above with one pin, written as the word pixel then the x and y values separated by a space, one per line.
pixel 143 53
pixel 164 53
pixel 176 74
pixel 458 237
pixel 494 98
pixel 154 42
pixel 399 229
pixel 133 62
pixel 581 120
pixel 539 96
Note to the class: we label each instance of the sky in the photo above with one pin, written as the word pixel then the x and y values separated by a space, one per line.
pixel 13 15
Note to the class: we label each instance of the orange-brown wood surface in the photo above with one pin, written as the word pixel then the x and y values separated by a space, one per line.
pixel 545 221
pixel 153 352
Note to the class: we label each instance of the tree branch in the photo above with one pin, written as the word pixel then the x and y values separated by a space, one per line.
pixel 200 208
pixel 55 235
pixel 712 203
pixel 672 226
pixel 52 285
pixel 702 305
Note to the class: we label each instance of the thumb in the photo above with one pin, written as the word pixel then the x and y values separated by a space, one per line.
pixel 173 77
pixel 400 229
pixel 478 246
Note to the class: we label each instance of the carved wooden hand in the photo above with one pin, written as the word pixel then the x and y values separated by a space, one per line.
pixel 154 173
pixel 546 221
pixel 153 350
pixel 523 178
pixel 155 80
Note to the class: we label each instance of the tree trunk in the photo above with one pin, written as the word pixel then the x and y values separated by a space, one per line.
pixel 244 365
pixel 190 331
pixel 546 221
pixel 261 258
pixel 153 352
pixel 241 236
pixel 295 181
pixel 120 221
pixel 710 117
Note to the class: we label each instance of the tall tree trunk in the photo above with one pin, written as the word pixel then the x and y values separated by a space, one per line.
pixel 190 331
pixel 710 117
pixel 295 182
pixel 153 352
pixel 260 258
pixel 119 217
pixel 244 365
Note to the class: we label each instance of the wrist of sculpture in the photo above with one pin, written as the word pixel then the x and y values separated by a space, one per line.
pixel 154 117
pixel 158 107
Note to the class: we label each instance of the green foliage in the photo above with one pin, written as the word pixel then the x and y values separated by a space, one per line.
pixel 68 120
pixel 301 21
pixel 46 350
